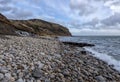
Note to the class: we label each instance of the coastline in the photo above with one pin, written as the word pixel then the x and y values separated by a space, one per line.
pixel 49 60
pixel 92 69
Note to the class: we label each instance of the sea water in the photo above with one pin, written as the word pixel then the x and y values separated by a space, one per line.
pixel 107 48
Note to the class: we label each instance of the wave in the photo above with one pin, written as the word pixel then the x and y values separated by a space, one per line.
pixel 104 57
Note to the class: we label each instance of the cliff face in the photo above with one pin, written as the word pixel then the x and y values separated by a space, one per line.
pixel 31 27
pixel 6 27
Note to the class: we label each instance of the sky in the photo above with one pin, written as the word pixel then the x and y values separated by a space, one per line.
pixel 81 17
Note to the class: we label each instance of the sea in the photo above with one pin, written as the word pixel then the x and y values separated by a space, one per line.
pixel 107 48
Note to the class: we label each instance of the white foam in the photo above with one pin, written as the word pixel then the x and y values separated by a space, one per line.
pixel 109 59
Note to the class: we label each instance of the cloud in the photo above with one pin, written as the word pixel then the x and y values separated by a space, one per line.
pixel 5 9
pixel 5 5
pixel 114 5
pixel 13 10
pixel 4 2
pixel 93 32
pixel 112 20
pixel 93 22
pixel 82 6
pixel 24 15
pixel 87 10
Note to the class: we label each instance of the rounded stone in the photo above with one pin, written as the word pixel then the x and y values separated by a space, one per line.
pixel 3 71
pixel 20 80
pixel 36 73
pixel 12 79
pixel 1 76
pixel 38 81
pixel 8 75
pixel 100 79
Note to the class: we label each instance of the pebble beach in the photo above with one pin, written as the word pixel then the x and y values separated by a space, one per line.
pixel 46 59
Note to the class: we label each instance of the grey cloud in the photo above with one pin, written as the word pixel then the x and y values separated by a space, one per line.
pixel 5 5
pixel 112 20
pixel 93 22
pixel 5 9
pixel 4 2
pixel 23 15
pixel 20 14
pixel 36 2
pixel 83 8
pixel 75 25
pixel 13 12
pixel 116 3
pixel 104 0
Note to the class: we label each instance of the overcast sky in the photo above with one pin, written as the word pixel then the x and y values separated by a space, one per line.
pixel 82 17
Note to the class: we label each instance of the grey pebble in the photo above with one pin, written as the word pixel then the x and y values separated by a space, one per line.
pixel 100 79
pixel 20 80
pixel 1 76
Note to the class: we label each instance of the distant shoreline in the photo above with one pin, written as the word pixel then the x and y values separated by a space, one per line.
pixel 93 36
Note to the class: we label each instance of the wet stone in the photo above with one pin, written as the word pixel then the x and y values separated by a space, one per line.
pixel 3 71
pixel 36 73
pixel 8 75
pixel 83 52
pixel 20 80
pixel 1 76
pixel 5 80
pixel 66 72
pixel 100 79
pixel 27 59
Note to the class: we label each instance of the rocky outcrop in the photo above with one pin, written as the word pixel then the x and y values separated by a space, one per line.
pixel 40 27
pixel 6 27
pixel 31 27
pixel 79 44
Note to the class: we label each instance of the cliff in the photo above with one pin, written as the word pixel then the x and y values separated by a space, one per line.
pixel 31 27
pixel 6 27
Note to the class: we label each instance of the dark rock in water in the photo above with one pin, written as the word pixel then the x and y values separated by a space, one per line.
pixel 100 79
pixel 37 73
pixel 79 44
pixel 83 52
